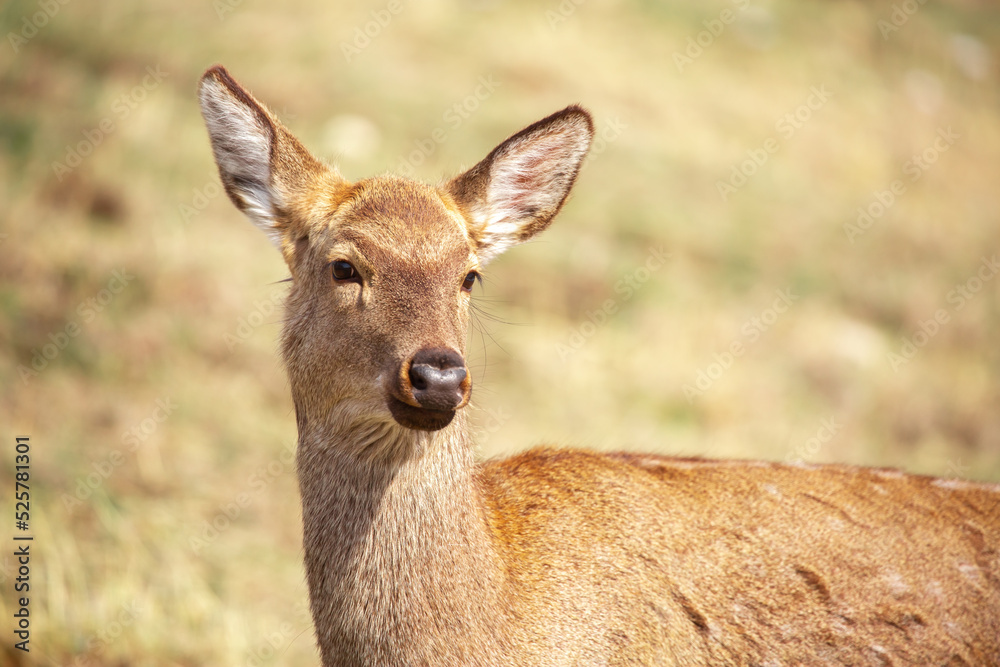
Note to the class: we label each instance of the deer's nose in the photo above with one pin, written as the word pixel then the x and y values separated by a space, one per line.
pixel 438 379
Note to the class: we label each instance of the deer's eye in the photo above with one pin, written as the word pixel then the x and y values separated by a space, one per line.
pixel 469 281
pixel 344 271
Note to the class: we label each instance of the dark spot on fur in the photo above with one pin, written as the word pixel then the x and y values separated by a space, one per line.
pixel 693 614
pixel 902 620
pixel 815 582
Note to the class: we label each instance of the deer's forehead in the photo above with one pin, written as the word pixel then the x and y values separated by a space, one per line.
pixel 393 218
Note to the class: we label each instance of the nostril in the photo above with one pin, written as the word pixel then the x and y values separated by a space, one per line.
pixel 417 380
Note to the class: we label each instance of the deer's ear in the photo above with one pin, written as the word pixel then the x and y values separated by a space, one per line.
pixel 516 191
pixel 262 166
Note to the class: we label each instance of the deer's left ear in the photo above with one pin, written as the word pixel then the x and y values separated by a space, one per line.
pixel 516 191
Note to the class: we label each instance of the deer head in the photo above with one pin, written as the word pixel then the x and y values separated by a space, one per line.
pixel 382 269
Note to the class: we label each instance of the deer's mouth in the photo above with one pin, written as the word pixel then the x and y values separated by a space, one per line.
pixel 420 419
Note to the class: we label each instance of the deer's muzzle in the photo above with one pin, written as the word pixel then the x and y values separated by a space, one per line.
pixel 430 387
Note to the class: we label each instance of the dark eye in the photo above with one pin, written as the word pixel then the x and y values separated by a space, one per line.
pixel 344 271
pixel 469 281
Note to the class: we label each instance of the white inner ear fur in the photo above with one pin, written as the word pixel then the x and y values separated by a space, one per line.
pixel 242 149
pixel 527 182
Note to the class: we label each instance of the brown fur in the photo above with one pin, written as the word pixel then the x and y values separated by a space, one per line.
pixel 417 555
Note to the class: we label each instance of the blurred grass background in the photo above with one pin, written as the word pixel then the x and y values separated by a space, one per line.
pixel 165 508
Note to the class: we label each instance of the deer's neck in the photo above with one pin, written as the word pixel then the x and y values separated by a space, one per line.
pixel 399 556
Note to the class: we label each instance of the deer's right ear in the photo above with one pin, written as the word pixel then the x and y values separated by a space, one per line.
pixel 261 164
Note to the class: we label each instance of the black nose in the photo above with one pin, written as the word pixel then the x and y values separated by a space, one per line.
pixel 437 378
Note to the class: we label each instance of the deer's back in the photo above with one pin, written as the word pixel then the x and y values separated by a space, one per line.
pixel 631 558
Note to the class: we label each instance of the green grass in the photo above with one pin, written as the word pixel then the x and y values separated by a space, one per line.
pixel 120 564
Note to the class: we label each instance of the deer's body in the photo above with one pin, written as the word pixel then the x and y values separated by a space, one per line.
pixel 723 563
pixel 418 555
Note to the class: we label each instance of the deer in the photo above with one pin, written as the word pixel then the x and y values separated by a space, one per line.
pixel 418 553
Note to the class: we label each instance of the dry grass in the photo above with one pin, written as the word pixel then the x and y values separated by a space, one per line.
pixel 124 565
